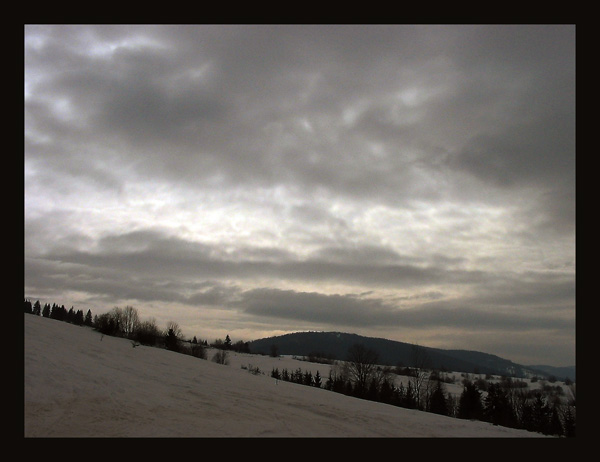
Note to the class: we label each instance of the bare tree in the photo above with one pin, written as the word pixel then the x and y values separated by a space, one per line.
pixel 420 377
pixel 361 366
pixel 130 320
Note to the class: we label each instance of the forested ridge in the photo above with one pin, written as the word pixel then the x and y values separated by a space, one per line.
pixel 507 402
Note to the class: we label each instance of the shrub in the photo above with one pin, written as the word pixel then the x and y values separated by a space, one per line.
pixel 221 357
pixel 147 333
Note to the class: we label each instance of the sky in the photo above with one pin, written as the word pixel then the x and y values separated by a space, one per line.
pixel 409 182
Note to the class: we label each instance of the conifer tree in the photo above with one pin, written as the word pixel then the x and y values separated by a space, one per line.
pixel 171 340
pixel 569 422
pixel 540 414
pixel 437 401
pixel 317 380
pixel 555 426
pixel 410 400
pixel 497 408
pixel 470 406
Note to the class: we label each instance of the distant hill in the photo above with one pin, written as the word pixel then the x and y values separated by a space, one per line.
pixel 335 345
pixel 561 373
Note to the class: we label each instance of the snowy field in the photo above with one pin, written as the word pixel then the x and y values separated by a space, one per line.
pixel 79 383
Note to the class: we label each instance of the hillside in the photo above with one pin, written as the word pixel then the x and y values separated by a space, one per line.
pixel 392 353
pixel 79 383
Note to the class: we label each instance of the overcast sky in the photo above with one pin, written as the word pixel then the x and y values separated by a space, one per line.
pixel 415 183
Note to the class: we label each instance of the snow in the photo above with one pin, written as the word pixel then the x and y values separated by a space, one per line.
pixel 79 383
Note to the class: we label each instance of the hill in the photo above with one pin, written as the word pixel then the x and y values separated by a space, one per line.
pixel 79 383
pixel 335 345
pixel 560 373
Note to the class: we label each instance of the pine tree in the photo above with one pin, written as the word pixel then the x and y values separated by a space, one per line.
pixel 307 378
pixel 317 380
pixel 171 340
pixel 497 408
pixel 555 425
pixel 78 319
pixel 540 414
pixel 410 400
pixel 470 406
pixel 438 403
pixel 88 318
pixel 386 391
pixel 569 422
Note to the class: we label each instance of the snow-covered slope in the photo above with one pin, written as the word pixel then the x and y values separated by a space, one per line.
pixel 80 383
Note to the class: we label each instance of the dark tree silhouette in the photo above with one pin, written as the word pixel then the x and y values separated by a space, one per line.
pixel 470 405
pixel 361 366
pixel 438 403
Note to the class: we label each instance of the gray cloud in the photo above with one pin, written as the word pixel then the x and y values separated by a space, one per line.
pixel 254 168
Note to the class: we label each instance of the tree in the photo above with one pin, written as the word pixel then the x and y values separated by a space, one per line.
pixel 106 324
pixel 147 332
pixel 317 380
pixel 130 321
pixel 361 365
pixel 78 319
pixel 497 408
pixel 37 308
pixel 555 426
pixel 437 402
pixel 421 363
pixel 569 421
pixel 337 379
pixel 172 336
pixel 386 391
pixel 540 414
pixel 410 398
pixel 88 321
pixel 307 378
pixel 221 357
pixel 58 312
pixel 470 406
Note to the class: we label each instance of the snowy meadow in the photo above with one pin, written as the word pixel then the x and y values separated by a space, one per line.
pixel 80 383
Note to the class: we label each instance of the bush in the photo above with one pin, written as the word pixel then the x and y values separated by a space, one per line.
pixel 221 357
pixel 106 324
pixel 147 333
pixel 197 350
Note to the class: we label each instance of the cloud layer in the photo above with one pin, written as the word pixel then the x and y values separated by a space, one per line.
pixel 411 182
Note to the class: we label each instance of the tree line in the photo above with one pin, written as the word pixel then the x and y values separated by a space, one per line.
pixel 59 313
pixel 126 322
pixel 507 403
